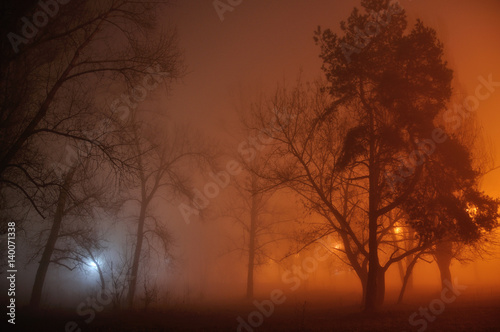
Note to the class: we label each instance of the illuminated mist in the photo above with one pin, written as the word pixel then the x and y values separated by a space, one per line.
pixel 238 165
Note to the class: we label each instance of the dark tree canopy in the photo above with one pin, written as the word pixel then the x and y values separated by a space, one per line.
pixel 392 84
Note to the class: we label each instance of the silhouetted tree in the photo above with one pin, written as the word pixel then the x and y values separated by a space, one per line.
pixel 51 79
pixel 251 209
pixel 450 211
pixel 159 161
pixel 392 88
pixel 72 233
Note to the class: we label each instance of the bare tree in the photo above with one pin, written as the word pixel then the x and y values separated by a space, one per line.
pixel 159 161
pixel 118 279
pixel 72 233
pixel 150 292
pixel 251 209
pixel 84 50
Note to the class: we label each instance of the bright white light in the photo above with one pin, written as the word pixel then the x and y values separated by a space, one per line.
pixel 92 265
pixel 336 245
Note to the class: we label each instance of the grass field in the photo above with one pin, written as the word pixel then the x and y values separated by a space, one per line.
pixel 463 316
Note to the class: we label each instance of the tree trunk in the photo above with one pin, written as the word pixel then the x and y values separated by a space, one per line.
pixel 400 263
pixel 410 258
pixel 401 270
pixel 251 246
pixel 373 202
pixel 137 254
pixel 363 281
pixel 443 257
pixel 373 267
pixel 36 293
pixel 408 277
pixel 380 286
pixel 372 292
pixel 254 215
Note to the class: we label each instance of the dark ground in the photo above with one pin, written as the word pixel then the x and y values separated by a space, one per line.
pixel 470 316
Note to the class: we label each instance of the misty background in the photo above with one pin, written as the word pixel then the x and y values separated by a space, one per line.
pixel 226 68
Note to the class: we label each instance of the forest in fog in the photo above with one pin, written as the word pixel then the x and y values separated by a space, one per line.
pixel 245 166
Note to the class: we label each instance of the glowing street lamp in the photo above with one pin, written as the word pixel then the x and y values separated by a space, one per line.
pixel 93 265
pixel 336 245
pixel 472 211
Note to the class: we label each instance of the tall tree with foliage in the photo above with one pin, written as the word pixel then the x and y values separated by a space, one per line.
pixel 393 83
